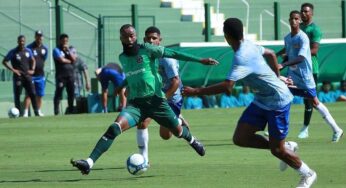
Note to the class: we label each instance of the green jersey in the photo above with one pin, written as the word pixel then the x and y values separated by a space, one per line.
pixel 141 70
pixel 315 35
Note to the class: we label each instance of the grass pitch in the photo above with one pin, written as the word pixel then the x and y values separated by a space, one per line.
pixel 35 153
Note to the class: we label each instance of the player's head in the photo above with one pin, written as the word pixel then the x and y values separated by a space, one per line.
pixel 38 36
pixel 307 11
pixel 343 85
pixel 152 35
pixel 128 36
pixel 21 41
pixel 294 19
pixel 233 30
pixel 326 86
pixel 73 50
pixel 63 40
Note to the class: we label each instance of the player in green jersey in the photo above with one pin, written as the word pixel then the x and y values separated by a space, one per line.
pixel 314 33
pixel 145 97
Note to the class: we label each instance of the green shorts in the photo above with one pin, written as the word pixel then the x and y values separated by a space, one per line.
pixel 157 108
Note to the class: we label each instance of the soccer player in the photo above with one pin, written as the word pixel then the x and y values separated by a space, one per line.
pixel 172 85
pixel 298 61
pixel 111 72
pixel 23 67
pixel 314 33
pixel 64 73
pixel 40 53
pixel 145 99
pixel 271 104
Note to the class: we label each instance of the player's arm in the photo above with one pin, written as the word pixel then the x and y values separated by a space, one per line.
pixel 6 63
pixel 60 58
pixel 314 46
pixel 222 87
pixel 122 98
pixel 86 78
pixel 294 61
pixel 175 81
pixel 272 60
pixel 31 71
pixel 188 57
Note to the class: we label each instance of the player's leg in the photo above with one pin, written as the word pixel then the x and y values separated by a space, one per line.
pixel 128 118
pixel 17 91
pixel 176 107
pixel 59 86
pixel 328 118
pixel 27 103
pixel 30 90
pixel 249 124
pixel 164 115
pixel 40 84
pixel 143 138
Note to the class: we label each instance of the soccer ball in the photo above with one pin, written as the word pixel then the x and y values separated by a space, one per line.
pixel 136 164
pixel 13 112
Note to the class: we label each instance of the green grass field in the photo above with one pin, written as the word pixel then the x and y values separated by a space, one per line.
pixel 35 153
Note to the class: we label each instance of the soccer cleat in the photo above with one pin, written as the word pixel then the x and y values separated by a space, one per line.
pixel 82 165
pixel 337 135
pixel 308 180
pixel 40 113
pixel 304 133
pixel 293 146
pixel 198 147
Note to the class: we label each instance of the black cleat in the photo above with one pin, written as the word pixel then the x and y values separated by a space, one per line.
pixel 82 165
pixel 198 146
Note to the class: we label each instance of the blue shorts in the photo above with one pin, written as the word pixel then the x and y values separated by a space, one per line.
pixel 40 84
pixel 176 106
pixel 278 120
pixel 112 75
pixel 306 93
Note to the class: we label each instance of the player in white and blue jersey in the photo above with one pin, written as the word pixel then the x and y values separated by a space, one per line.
pixel 271 104
pixel 298 61
pixel 172 85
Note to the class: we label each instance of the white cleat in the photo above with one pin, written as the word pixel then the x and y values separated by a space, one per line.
pixel 40 113
pixel 337 135
pixel 308 180
pixel 304 132
pixel 290 145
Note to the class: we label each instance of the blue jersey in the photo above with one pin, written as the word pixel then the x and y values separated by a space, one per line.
pixel 111 73
pixel 301 73
pixel 40 54
pixel 245 99
pixel 168 69
pixel 249 65
pixel 327 97
pixel 228 101
pixel 339 93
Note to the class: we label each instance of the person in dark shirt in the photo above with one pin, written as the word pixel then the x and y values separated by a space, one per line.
pixel 64 73
pixel 23 66
pixel 40 53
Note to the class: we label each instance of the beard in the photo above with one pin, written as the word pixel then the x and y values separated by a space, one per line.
pixel 131 50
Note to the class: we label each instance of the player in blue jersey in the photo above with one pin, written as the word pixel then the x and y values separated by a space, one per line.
pixel 40 53
pixel 111 72
pixel 271 104
pixel 23 67
pixel 172 85
pixel 298 61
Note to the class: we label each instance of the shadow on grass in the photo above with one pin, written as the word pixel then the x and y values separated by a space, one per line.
pixel 69 170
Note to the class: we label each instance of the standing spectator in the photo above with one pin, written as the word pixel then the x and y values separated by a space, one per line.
pixel 22 66
pixel 111 72
pixel 40 53
pixel 64 74
pixel 228 100
pixel 340 94
pixel 194 102
pixel 245 98
pixel 81 74
pixel 326 94
pixel 314 34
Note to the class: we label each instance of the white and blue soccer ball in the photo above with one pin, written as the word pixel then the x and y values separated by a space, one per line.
pixel 136 164
pixel 13 112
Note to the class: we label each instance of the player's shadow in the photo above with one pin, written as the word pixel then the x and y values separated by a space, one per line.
pixel 69 170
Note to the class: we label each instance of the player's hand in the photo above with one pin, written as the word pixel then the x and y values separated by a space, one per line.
pixel 288 81
pixel 209 61
pixel 189 91
pixel 87 86
pixel 17 72
pixel 280 66
pixel 31 72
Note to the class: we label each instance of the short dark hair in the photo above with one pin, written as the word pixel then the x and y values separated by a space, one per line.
pixel 294 12
pixel 20 36
pixel 126 26
pixel 152 29
pixel 233 27
pixel 311 6
pixel 62 36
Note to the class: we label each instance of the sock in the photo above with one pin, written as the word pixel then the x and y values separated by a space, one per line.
pixel 105 141
pixel 90 162
pixel 142 141
pixel 327 117
pixel 26 112
pixel 303 169
pixel 185 133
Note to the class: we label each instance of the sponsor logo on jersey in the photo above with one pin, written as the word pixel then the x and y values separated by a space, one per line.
pixel 131 73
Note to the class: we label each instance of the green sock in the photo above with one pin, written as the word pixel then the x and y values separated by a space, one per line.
pixel 186 134
pixel 105 141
